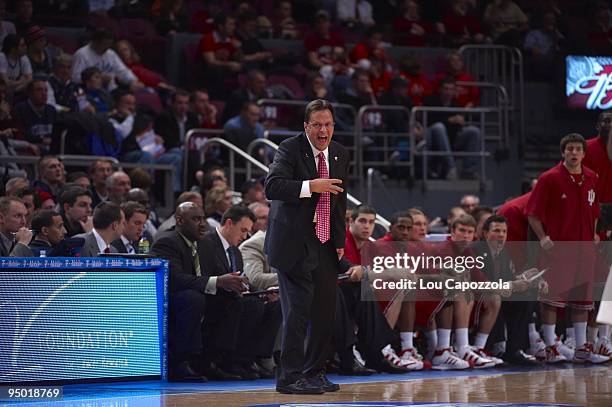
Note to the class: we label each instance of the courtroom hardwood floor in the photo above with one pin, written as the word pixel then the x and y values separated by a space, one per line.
pixel 583 387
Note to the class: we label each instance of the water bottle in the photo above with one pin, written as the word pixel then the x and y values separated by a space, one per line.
pixel 43 253
pixel 143 245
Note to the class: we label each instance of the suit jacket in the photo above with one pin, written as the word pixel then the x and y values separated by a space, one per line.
pixel 216 262
pixel 171 246
pixel 21 250
pixel 506 268
pixel 291 216
pixel 256 266
pixel 167 127
pixel 90 245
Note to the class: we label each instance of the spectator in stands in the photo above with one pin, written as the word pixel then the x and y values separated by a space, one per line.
pixel 24 9
pixel 75 207
pixel 50 173
pixel 442 226
pixel 98 53
pixel 261 211
pixel 210 180
pixel 49 231
pixel 283 23
pixel 37 118
pixel 236 335
pixel 599 35
pixel 108 226
pixel 15 67
pixel 99 171
pixel 397 121
pixel 217 201
pixel 136 216
pixel 6 27
pixel 467 96
pixel 254 90
pixel 79 178
pixel 172 18
pixel 131 59
pixel 316 87
pixel 205 111
pixel 45 201
pixel 360 93
pixel 13 232
pixel 541 45
pixel 14 184
pixel 371 47
pixel 419 86
pixel 252 191
pixel 8 145
pixel 450 129
pixel 322 42
pixel 168 224
pixel 354 14
pixel 221 54
pixel 380 76
pixel 469 203
pixel 254 53
pixel 28 197
pixel 96 94
pixel 460 26
pixel 173 124
pixel 118 184
pixel 409 29
pixel 507 22
pixel 40 54
pixel 63 93
pixel 244 128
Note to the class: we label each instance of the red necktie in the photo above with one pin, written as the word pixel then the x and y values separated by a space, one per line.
pixel 323 206
pixel 107 250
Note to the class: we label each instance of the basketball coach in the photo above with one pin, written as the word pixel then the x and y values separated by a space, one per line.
pixel 304 242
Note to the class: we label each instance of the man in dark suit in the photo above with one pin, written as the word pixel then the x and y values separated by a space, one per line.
pixel 108 222
pixel 173 125
pixel 14 235
pixel 516 310
pixel 305 239
pixel 136 215
pixel 238 329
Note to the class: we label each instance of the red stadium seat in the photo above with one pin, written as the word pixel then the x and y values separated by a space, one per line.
pixel 150 100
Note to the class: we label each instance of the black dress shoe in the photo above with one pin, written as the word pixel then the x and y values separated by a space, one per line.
pixel 385 365
pixel 321 380
pixel 300 386
pixel 518 358
pixel 214 372
pixel 261 371
pixel 245 372
pixel 185 373
pixel 357 369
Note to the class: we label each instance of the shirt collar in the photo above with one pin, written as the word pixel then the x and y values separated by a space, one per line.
pixel 315 152
pixel 192 245
pixel 224 242
pixel 100 241
pixel 126 242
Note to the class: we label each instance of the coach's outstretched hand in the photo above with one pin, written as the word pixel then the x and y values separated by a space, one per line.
pixel 330 185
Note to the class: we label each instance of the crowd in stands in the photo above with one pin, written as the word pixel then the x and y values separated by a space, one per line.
pixel 101 98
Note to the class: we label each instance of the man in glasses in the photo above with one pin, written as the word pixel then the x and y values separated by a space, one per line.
pixel 304 241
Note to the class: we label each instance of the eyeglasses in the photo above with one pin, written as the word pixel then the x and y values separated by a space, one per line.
pixel 319 126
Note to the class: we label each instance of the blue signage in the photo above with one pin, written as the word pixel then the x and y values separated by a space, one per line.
pixel 80 318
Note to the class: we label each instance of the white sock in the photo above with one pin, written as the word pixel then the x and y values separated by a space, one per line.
pixel 592 334
pixel 461 338
pixel 580 329
pixel 406 338
pixel 481 340
pixel 569 332
pixel 604 330
pixel 432 339
pixel 533 334
pixel 443 338
pixel 548 331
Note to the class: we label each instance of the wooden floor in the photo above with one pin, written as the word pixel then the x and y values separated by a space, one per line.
pixel 581 386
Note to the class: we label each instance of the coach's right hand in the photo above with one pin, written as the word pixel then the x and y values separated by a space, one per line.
pixel 232 282
pixel 321 185
pixel 546 243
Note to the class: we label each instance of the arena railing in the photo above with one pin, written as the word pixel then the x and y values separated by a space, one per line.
pixel 85 161
pixel 192 137
pixel 233 150
pixel 425 154
pixel 502 65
